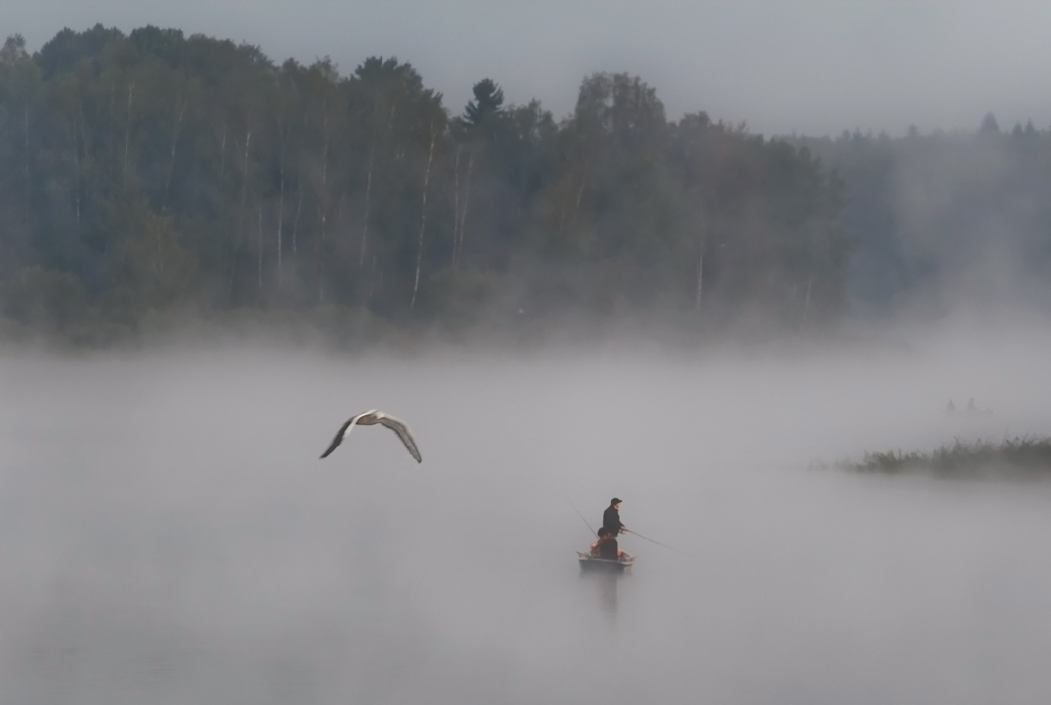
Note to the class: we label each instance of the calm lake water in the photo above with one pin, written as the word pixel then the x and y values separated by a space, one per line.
pixel 169 535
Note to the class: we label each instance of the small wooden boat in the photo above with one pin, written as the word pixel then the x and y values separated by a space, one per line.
pixel 619 565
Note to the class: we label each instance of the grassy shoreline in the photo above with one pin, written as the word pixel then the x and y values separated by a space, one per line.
pixel 1018 457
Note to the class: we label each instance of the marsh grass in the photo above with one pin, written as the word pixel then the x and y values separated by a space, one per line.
pixel 1015 457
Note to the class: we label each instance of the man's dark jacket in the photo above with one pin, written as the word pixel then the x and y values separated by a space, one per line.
pixel 611 520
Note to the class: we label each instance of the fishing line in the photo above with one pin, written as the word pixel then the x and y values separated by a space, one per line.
pixel 646 538
pixel 581 516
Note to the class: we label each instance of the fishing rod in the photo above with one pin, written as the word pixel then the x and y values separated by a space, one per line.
pixel 646 538
pixel 580 515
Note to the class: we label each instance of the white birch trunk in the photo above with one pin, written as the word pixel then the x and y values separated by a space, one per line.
pixel 282 158
pixel 368 206
pixel 700 281
pixel 25 204
pixel 701 247
pixel 806 299
pixel 322 217
pixel 259 252
pixel 295 221
pixel 456 203
pixel 280 218
pixel 222 156
pixel 423 218
pixel 175 143
pixel 463 216
pixel 244 182
pixel 576 206
pixel 127 136
pixel 76 168
pixel 111 134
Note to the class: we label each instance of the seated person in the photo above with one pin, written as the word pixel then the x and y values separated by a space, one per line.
pixel 594 544
pixel 606 546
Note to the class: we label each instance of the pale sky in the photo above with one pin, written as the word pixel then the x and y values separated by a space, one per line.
pixel 805 66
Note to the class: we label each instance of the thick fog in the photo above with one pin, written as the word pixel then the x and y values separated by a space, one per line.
pixel 811 66
pixel 169 535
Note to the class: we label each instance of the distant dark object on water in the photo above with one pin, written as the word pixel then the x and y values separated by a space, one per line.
pixel 969 410
pixel 371 418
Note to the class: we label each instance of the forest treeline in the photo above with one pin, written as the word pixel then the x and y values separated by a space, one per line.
pixel 154 172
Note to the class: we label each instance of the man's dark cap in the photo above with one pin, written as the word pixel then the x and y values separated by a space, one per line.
pixel 615 500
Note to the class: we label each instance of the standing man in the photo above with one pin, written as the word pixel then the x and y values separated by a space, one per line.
pixel 611 518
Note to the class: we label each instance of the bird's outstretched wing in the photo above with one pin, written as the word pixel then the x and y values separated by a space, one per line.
pixel 344 430
pixel 402 429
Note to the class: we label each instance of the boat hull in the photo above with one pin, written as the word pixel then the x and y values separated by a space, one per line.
pixel 589 562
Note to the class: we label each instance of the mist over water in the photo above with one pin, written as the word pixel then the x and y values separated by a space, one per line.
pixel 170 536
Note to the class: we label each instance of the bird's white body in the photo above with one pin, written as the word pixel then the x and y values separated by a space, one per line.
pixel 371 418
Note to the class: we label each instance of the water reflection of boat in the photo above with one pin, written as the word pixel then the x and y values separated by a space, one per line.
pixel 609 565
pixel 605 580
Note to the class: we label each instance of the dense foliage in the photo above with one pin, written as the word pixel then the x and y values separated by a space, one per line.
pixel 154 171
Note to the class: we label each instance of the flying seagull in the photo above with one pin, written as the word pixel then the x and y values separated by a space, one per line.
pixel 371 418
